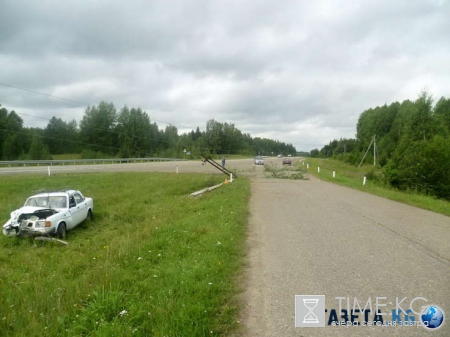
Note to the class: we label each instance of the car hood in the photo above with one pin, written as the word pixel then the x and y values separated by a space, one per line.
pixel 24 210
pixel 27 209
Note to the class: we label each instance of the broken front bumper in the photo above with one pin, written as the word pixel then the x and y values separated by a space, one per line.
pixel 10 230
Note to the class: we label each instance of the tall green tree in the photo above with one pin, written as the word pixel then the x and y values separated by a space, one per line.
pixel 3 129
pixel 213 136
pixel 442 112
pixel 13 140
pixel 135 132
pixel 38 150
pixel 98 128
pixel 61 137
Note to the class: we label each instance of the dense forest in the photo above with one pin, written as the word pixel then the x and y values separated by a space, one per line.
pixel 129 133
pixel 412 144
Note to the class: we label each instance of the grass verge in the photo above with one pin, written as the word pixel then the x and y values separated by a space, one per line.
pixel 351 176
pixel 154 262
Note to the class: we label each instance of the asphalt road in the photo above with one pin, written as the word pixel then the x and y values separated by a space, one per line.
pixel 185 166
pixel 195 166
pixel 315 238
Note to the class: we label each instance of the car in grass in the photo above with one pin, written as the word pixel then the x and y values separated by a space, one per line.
pixel 259 161
pixel 50 213
pixel 287 161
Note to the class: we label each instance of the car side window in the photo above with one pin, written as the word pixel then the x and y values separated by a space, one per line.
pixel 72 202
pixel 78 198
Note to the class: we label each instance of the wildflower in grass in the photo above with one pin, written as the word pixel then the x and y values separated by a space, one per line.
pixel 219 243
pixel 139 258
pixel 123 313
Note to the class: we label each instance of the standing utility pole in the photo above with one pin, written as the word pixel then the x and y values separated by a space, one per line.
pixel 374 152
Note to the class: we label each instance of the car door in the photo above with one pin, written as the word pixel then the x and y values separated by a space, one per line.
pixel 76 212
pixel 82 207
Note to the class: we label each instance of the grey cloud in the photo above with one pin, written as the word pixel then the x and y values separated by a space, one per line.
pixel 297 71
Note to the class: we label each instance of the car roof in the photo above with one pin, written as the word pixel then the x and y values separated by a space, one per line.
pixel 55 193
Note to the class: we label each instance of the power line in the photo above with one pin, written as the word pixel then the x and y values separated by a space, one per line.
pixel 60 98
pixel 48 95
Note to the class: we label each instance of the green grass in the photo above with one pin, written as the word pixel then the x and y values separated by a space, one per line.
pixel 351 176
pixel 154 262
pixel 67 156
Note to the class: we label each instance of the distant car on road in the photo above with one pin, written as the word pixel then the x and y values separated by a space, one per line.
pixel 280 156
pixel 259 161
pixel 52 213
pixel 287 161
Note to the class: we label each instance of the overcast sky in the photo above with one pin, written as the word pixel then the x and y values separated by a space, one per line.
pixel 300 72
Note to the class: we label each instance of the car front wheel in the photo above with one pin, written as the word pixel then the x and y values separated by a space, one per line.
pixel 61 231
pixel 89 216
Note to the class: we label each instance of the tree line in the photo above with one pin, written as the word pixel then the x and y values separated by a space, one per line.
pixel 412 144
pixel 105 132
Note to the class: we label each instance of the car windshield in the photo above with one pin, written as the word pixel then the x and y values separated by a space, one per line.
pixel 47 201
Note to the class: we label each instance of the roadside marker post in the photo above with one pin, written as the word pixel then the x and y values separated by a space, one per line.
pixel 334 174
pixel 364 180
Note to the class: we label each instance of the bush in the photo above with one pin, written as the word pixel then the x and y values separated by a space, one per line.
pixel 91 154
pixel 422 166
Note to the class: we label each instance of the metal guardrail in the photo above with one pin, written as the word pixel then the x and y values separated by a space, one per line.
pixel 83 161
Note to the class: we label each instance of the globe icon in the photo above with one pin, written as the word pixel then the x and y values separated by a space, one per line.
pixel 432 317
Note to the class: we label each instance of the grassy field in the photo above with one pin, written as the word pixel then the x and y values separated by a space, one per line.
pixel 154 262
pixel 67 156
pixel 351 176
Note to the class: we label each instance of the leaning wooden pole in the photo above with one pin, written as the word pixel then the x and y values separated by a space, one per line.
pixel 209 160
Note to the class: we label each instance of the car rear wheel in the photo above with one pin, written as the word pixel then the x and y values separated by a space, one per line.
pixel 61 231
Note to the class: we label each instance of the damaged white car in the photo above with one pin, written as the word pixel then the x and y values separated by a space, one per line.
pixel 52 213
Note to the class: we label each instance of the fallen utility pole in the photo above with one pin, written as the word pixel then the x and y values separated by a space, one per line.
pixel 209 160
pixel 206 190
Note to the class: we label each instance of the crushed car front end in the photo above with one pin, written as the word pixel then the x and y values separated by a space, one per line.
pixel 30 221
